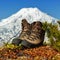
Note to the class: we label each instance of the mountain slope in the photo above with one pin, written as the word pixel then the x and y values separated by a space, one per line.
pixel 11 26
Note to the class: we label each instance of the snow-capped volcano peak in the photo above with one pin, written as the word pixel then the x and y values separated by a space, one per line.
pixel 31 14
pixel 11 26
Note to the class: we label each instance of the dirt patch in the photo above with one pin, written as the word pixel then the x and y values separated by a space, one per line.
pixel 38 53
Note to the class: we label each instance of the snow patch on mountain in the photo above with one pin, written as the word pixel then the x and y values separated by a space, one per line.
pixel 11 26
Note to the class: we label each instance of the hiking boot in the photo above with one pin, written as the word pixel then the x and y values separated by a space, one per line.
pixel 25 30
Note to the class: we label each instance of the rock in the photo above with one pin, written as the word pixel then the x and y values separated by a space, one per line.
pixel 16 41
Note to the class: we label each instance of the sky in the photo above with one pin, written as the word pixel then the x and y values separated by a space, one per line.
pixel 9 7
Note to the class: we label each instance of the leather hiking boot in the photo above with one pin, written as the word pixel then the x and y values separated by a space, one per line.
pixel 25 30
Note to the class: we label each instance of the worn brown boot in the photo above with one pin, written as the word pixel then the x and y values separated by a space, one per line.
pixel 25 30
pixel 32 36
pixel 36 32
